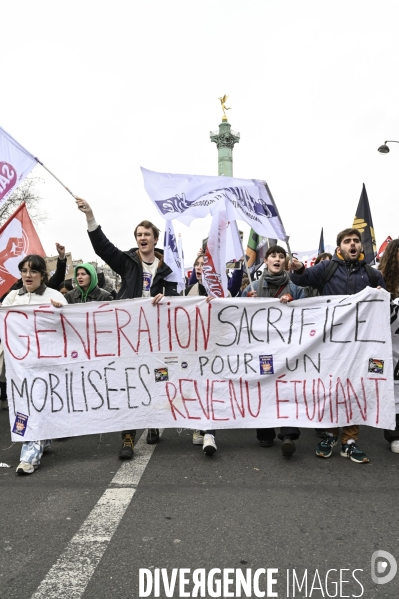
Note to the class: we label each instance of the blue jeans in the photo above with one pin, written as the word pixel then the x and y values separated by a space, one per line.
pixel 32 451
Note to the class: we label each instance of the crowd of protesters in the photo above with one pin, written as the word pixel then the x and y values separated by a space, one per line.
pixel 144 273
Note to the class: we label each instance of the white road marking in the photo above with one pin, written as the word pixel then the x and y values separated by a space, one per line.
pixel 72 572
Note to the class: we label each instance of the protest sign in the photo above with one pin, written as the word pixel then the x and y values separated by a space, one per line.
pixel 51 263
pixel 395 348
pixel 308 257
pixel 246 363
pixel 186 197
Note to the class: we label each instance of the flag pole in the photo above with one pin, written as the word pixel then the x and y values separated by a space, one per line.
pixel 288 248
pixel 181 256
pixel 56 178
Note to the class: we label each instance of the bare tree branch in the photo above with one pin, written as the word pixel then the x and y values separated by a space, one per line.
pixel 27 192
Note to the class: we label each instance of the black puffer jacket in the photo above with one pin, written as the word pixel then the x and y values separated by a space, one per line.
pixel 128 266
pixel 97 295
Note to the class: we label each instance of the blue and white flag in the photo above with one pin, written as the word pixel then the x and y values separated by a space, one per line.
pixel 173 257
pixel 186 197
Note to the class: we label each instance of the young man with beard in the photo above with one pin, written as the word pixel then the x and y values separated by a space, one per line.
pixel 347 273
pixel 143 273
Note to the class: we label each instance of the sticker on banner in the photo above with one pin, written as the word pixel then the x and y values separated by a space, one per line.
pixel 161 374
pixel 20 424
pixel 170 360
pixel 376 366
pixel 147 278
pixel 266 364
pixel 184 365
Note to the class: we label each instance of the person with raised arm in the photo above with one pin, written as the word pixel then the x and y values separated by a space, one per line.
pixel 143 273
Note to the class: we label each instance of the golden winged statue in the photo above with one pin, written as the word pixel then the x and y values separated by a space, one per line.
pixel 223 100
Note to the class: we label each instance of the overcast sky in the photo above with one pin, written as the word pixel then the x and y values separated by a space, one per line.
pixel 97 89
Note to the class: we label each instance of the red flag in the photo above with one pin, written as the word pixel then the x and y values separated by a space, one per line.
pixel 383 248
pixel 18 238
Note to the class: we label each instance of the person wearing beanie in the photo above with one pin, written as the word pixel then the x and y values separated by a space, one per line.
pixel 87 289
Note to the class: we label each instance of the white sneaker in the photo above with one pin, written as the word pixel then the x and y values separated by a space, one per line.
pixel 25 468
pixel 209 446
pixel 395 446
pixel 4 404
pixel 198 438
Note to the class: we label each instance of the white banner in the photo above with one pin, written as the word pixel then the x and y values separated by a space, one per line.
pixel 395 348
pixel 245 363
pixel 234 249
pixel 308 257
pixel 186 197
pixel 173 256
pixel 15 164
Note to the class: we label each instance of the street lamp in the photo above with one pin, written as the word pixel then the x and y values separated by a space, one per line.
pixel 384 148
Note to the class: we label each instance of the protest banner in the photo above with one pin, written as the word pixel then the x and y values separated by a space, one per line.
pixel 186 197
pixel 173 256
pixel 309 257
pixel 395 348
pixel 51 263
pixel 247 363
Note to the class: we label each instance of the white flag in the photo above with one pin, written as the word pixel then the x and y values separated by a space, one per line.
pixel 234 249
pixel 173 258
pixel 15 164
pixel 214 276
pixel 186 197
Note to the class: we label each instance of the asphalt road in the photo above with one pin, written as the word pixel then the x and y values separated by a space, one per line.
pixel 246 507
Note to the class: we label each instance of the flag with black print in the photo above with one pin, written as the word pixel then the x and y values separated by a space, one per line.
pixel 364 223
pixel 257 247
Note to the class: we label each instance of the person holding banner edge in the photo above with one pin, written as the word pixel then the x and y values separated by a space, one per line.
pixel 350 274
pixel 143 274
pixel 34 291
pixel 275 283
pixel 204 438
pixel 389 268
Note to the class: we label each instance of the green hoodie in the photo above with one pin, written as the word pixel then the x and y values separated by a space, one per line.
pixel 93 277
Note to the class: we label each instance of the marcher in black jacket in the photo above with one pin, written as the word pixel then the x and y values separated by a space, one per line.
pixel 143 273
pixel 350 277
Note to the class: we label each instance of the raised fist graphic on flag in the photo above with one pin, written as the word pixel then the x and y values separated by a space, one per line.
pixel 17 239
pixel 14 248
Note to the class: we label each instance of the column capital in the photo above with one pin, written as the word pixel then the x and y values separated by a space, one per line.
pixel 225 137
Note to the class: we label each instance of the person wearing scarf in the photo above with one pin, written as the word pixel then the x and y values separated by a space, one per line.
pixel 275 283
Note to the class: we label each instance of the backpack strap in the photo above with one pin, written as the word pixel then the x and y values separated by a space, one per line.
pixel 328 273
pixel 372 275
pixel 332 267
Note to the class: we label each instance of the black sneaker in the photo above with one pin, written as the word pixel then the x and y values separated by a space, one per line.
pixel 152 436
pixel 266 442
pixel 288 447
pixel 325 447
pixel 354 453
pixel 321 432
pixel 126 452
